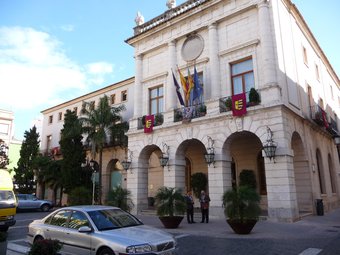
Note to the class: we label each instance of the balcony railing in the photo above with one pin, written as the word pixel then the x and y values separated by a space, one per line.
pixel 318 115
pixel 158 120
pixel 190 112
pixel 252 98
pixel 170 14
pixel 332 127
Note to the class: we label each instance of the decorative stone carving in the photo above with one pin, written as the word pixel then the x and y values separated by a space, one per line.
pixel 171 4
pixel 239 124
pixel 139 19
pixel 192 47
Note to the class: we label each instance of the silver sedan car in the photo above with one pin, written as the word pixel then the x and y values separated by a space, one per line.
pixel 101 230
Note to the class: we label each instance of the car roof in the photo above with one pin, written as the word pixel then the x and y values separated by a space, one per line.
pixel 89 208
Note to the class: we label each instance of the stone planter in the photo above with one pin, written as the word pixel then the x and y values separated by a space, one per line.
pixel 242 228
pixel 171 221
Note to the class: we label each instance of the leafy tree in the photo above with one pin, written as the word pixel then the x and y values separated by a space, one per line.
pixel 73 175
pixel 48 174
pixel 98 124
pixel 80 196
pixel 24 173
pixel 199 182
pixel 4 160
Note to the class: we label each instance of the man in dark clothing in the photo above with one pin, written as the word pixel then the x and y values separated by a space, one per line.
pixel 204 200
pixel 190 208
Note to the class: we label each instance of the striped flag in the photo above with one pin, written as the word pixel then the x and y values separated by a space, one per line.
pixel 179 95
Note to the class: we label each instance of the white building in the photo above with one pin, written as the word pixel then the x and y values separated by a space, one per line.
pixel 235 45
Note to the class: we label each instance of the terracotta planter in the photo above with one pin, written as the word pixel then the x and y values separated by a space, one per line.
pixel 171 221
pixel 242 228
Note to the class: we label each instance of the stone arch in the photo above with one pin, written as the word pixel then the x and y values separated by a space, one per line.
pixel 244 151
pixel 117 174
pixel 190 155
pixel 150 173
pixel 302 175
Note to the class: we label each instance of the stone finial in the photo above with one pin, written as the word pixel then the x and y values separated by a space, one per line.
pixel 139 19
pixel 171 4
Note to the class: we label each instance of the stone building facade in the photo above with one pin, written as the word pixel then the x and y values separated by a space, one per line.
pixel 234 45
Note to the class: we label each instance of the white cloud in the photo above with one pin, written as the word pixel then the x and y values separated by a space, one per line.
pixel 35 71
pixel 67 28
pixel 99 68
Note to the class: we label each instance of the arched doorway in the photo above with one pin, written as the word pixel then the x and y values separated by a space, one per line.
pixel 117 174
pixel 302 176
pixel 245 150
pixel 192 153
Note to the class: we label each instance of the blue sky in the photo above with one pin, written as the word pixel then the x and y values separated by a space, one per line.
pixel 53 51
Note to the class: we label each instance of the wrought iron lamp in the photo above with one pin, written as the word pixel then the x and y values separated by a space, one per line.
pixel 210 154
pixel 164 158
pixel 126 163
pixel 270 146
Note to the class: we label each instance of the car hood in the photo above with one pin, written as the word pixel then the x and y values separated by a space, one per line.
pixel 138 234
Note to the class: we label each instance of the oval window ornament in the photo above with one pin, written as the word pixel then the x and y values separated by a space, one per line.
pixel 192 47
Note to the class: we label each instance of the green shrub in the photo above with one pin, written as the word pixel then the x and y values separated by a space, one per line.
pixel 121 198
pixel 248 178
pixel 45 247
pixel 241 203
pixel 3 236
pixel 80 196
pixel 170 202
pixel 199 182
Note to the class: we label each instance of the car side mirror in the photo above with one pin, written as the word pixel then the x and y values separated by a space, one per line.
pixel 85 229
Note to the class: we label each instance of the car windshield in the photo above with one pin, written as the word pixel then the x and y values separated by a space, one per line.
pixel 113 218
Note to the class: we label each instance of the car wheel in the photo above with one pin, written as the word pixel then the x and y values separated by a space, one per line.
pixel 106 251
pixel 45 208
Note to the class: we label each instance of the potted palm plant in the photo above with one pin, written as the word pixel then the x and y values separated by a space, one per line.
pixel 121 198
pixel 171 206
pixel 241 208
pixel 3 242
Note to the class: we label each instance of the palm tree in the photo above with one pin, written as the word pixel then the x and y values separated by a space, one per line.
pixel 98 123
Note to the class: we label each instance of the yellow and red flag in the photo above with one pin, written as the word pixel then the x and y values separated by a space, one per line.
pixel 184 84
pixel 149 120
pixel 239 104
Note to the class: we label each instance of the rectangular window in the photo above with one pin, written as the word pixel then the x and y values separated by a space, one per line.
pixel 156 100
pixel 124 96
pixel 242 76
pixel 60 116
pixel 48 142
pixel 305 58
pixel 4 129
pixel 50 119
pixel 113 98
pixel 331 90
pixel 75 109
pixel 317 74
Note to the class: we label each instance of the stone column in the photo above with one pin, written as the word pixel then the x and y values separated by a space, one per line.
pixel 138 89
pixel 267 46
pixel 137 183
pixel 281 190
pixel 219 178
pixel 214 63
pixel 171 96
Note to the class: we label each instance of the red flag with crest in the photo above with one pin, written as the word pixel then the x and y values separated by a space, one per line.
pixel 239 104
pixel 149 120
